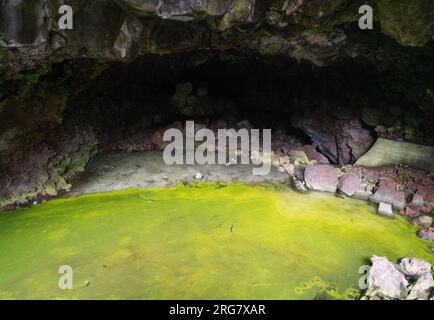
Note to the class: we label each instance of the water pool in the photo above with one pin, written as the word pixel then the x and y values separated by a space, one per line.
pixel 207 241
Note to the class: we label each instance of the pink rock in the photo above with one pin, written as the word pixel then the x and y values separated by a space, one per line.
pixel 313 154
pixel 321 178
pixel 410 212
pixel 423 221
pixel 427 234
pixel 349 184
pixel 386 192
pixel 428 193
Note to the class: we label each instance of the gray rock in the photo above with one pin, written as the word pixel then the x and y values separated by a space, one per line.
pixel 365 191
pixel 422 288
pixel 417 201
pixel 388 152
pixel 298 184
pixel 385 209
pixel 385 280
pixel 321 178
pixel 414 267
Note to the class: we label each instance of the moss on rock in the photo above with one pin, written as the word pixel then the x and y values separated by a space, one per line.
pixel 411 23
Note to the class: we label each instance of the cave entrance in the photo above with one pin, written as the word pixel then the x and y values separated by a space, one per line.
pixel 69 112
pixel 304 106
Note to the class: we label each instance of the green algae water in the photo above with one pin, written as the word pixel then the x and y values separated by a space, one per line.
pixel 209 241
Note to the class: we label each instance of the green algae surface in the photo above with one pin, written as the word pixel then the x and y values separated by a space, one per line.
pixel 208 241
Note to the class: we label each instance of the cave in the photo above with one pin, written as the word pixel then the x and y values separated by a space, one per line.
pixel 83 119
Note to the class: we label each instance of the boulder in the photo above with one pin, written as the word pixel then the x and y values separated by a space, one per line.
pixel 389 152
pixel 426 234
pixel 314 155
pixel 417 201
pixel 386 192
pixel 385 209
pixel 349 184
pixel 410 212
pixel 414 267
pixel 321 178
pixel 341 141
pixel 299 185
pixel 428 192
pixel 423 221
pixel 365 191
pixel 422 288
pixel 385 280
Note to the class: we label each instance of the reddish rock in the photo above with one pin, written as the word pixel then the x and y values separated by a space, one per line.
pixel 349 184
pixel 410 212
pixel 427 234
pixel 342 141
pixel 321 178
pixel 423 221
pixel 157 139
pixel 313 154
pixel 386 192
pixel 427 193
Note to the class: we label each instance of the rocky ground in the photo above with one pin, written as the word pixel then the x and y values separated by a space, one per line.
pixel 408 279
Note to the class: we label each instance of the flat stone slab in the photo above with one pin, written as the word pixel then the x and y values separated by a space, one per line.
pixel 118 171
pixel 349 184
pixel 389 152
pixel 322 178
pixel 385 209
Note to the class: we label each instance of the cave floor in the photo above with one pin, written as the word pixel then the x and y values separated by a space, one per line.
pixel 117 171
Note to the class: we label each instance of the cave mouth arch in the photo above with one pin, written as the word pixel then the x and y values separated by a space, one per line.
pixel 234 86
